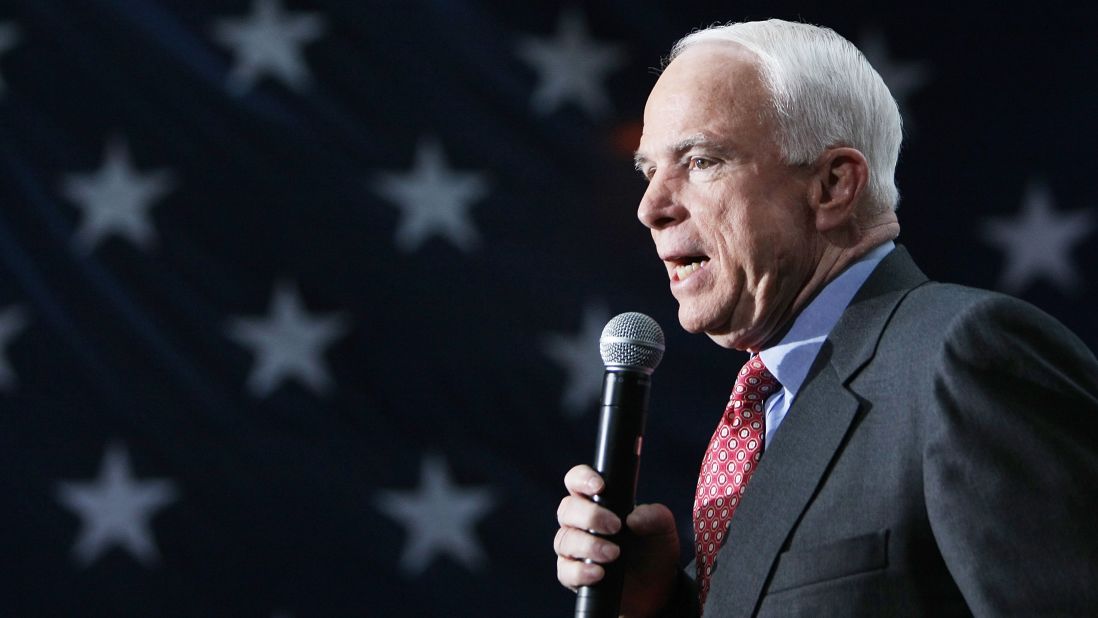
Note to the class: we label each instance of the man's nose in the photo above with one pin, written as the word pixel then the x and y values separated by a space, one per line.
pixel 659 207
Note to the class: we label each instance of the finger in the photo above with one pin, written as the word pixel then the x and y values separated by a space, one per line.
pixel 574 573
pixel 579 545
pixel 583 481
pixel 579 512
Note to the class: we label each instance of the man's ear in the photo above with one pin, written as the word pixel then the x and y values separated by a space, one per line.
pixel 838 185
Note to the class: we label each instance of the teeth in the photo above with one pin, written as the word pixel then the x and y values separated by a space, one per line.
pixel 684 271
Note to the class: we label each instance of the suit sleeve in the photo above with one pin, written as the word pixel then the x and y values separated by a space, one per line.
pixel 684 598
pixel 1010 461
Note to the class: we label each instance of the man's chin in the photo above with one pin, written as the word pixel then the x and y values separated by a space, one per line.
pixel 690 323
pixel 728 341
pixel 717 330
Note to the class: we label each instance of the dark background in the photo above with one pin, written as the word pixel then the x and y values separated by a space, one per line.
pixel 448 368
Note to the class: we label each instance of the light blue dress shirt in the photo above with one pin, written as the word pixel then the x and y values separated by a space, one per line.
pixel 790 359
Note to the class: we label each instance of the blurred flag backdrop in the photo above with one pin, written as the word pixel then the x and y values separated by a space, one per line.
pixel 299 301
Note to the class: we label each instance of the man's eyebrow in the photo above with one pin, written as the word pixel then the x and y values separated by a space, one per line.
pixel 700 141
pixel 684 145
pixel 690 142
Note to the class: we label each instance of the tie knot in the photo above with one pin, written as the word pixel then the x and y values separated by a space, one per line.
pixel 754 382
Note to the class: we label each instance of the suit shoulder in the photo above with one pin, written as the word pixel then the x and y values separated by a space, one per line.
pixel 956 310
pixel 953 299
pixel 993 333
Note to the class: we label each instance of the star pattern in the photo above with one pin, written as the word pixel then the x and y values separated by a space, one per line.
pixel 1038 242
pixel 116 509
pixel 440 518
pixel 288 343
pixel 902 78
pixel 9 38
pixel 13 320
pixel 269 42
pixel 578 355
pixel 571 67
pixel 260 172
pixel 116 199
pixel 433 199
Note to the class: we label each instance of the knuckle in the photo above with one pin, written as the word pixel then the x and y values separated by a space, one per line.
pixel 566 547
pixel 566 572
pixel 570 476
pixel 578 478
pixel 589 545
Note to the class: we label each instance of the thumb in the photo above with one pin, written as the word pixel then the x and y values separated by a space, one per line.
pixel 651 520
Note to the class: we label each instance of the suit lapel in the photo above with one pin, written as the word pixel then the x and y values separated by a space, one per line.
pixel 787 477
pixel 793 467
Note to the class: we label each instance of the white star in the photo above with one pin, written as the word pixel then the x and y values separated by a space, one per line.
pixel 433 200
pixel 439 517
pixel 1038 242
pixel 902 79
pixel 268 41
pixel 571 66
pixel 288 343
pixel 12 322
pixel 116 199
pixel 579 356
pixel 115 509
pixel 9 38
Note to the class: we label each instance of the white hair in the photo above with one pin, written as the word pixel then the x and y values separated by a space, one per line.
pixel 824 93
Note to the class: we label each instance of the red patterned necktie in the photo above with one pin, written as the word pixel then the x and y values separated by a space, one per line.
pixel 730 460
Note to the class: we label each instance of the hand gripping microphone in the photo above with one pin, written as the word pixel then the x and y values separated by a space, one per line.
pixel 631 345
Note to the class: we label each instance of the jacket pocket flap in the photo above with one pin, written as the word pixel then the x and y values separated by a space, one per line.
pixel 859 554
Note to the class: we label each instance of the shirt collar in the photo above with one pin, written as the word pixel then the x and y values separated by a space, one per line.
pixel 790 359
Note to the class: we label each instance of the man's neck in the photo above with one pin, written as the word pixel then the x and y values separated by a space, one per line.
pixel 834 260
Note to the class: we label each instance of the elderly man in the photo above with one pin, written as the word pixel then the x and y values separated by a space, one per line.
pixel 894 446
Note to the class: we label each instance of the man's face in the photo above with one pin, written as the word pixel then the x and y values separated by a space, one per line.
pixel 730 220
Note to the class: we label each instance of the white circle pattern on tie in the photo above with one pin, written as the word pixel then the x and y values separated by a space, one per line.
pixel 737 443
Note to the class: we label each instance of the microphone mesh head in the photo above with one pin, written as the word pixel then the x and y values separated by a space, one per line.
pixel 632 340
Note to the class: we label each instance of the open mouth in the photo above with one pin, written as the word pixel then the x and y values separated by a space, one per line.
pixel 688 265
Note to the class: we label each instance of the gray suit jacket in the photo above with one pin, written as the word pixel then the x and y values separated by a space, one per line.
pixel 941 459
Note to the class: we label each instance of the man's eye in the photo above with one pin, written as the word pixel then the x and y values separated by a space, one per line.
pixel 698 163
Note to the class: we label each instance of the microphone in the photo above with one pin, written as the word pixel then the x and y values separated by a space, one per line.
pixel 632 346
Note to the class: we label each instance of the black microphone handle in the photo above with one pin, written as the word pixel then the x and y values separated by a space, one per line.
pixel 617 459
